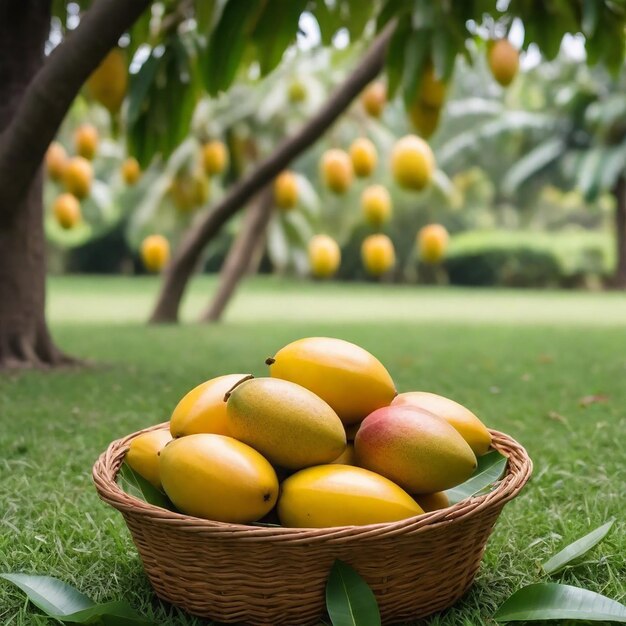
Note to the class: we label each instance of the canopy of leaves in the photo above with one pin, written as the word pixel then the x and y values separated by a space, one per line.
pixel 182 48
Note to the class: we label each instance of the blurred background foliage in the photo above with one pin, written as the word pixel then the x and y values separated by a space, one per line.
pixel 525 173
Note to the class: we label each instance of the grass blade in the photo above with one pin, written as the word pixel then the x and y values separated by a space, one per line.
pixel 136 485
pixel 491 467
pixel 349 600
pixel 546 601
pixel 576 549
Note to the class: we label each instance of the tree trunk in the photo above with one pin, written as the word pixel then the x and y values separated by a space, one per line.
pixel 188 254
pixel 240 254
pixel 620 232
pixel 24 337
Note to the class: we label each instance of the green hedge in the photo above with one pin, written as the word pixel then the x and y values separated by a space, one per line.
pixel 529 259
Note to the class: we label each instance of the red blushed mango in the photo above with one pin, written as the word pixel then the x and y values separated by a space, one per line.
pixel 415 449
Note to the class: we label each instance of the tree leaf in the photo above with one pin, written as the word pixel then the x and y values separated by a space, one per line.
pixel 531 164
pixel 491 467
pixel 545 601
pixel 274 31
pixel 589 21
pixel 395 58
pixel 576 549
pixel 65 603
pixel 136 485
pixel 228 41
pixel 51 595
pixel 360 14
pixel 349 600
pixel 415 56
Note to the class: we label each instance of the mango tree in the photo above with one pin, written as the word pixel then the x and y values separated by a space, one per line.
pixel 180 49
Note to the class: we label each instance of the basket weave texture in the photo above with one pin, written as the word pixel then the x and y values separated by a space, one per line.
pixel 272 575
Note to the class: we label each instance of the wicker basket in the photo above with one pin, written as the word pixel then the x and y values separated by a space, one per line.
pixel 272 575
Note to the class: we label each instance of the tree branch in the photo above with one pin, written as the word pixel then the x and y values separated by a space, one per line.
pixel 238 258
pixel 188 253
pixel 49 95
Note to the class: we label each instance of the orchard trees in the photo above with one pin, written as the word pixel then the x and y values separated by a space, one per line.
pixel 182 49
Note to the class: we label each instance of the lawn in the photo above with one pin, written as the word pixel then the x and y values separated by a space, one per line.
pixel 522 360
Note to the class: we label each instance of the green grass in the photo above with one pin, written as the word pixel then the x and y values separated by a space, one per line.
pixel 522 360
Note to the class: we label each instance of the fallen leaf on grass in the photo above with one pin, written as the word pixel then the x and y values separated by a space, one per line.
pixel 598 398
pixel 576 549
pixel 557 417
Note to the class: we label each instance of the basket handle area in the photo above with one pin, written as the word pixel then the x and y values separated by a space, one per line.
pixel 518 471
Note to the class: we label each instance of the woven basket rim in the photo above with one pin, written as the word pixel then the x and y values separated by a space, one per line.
pixel 518 471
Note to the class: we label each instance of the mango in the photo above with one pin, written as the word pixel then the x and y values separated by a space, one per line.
pixel 143 454
pixel 155 252
pixel 340 495
pixel 461 418
pixel 417 450
pixel 218 478
pixel 66 210
pixel 350 379
pixel 131 171
pixel 378 254
pixel 214 157
pixel 364 156
pixel 376 205
pixel 433 501
pixel 56 160
pixel 203 409
pixel 347 457
pixel 324 256
pixel 412 163
pixel 503 59
pixel 374 98
pixel 285 422
pixel 86 140
pixel 336 170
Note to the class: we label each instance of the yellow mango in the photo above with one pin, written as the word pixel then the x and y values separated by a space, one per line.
pixel 287 423
pixel 341 495
pixel 218 478
pixel 349 378
pixel 203 409
pixel 433 501
pixel 347 457
pixel 143 454
pixel 466 423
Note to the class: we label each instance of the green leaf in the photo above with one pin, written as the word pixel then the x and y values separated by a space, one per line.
pixel 140 85
pixel 51 595
pixel 393 8
pixel 275 30
pixel 360 14
pixel 65 603
pixel 415 56
pixel 589 17
pixel 136 485
pixel 531 164
pixel 349 600
pixel 328 20
pixel 491 467
pixel 227 44
pixel 576 549
pixel 395 58
pixel 545 601
pixel 444 53
pixel 590 172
